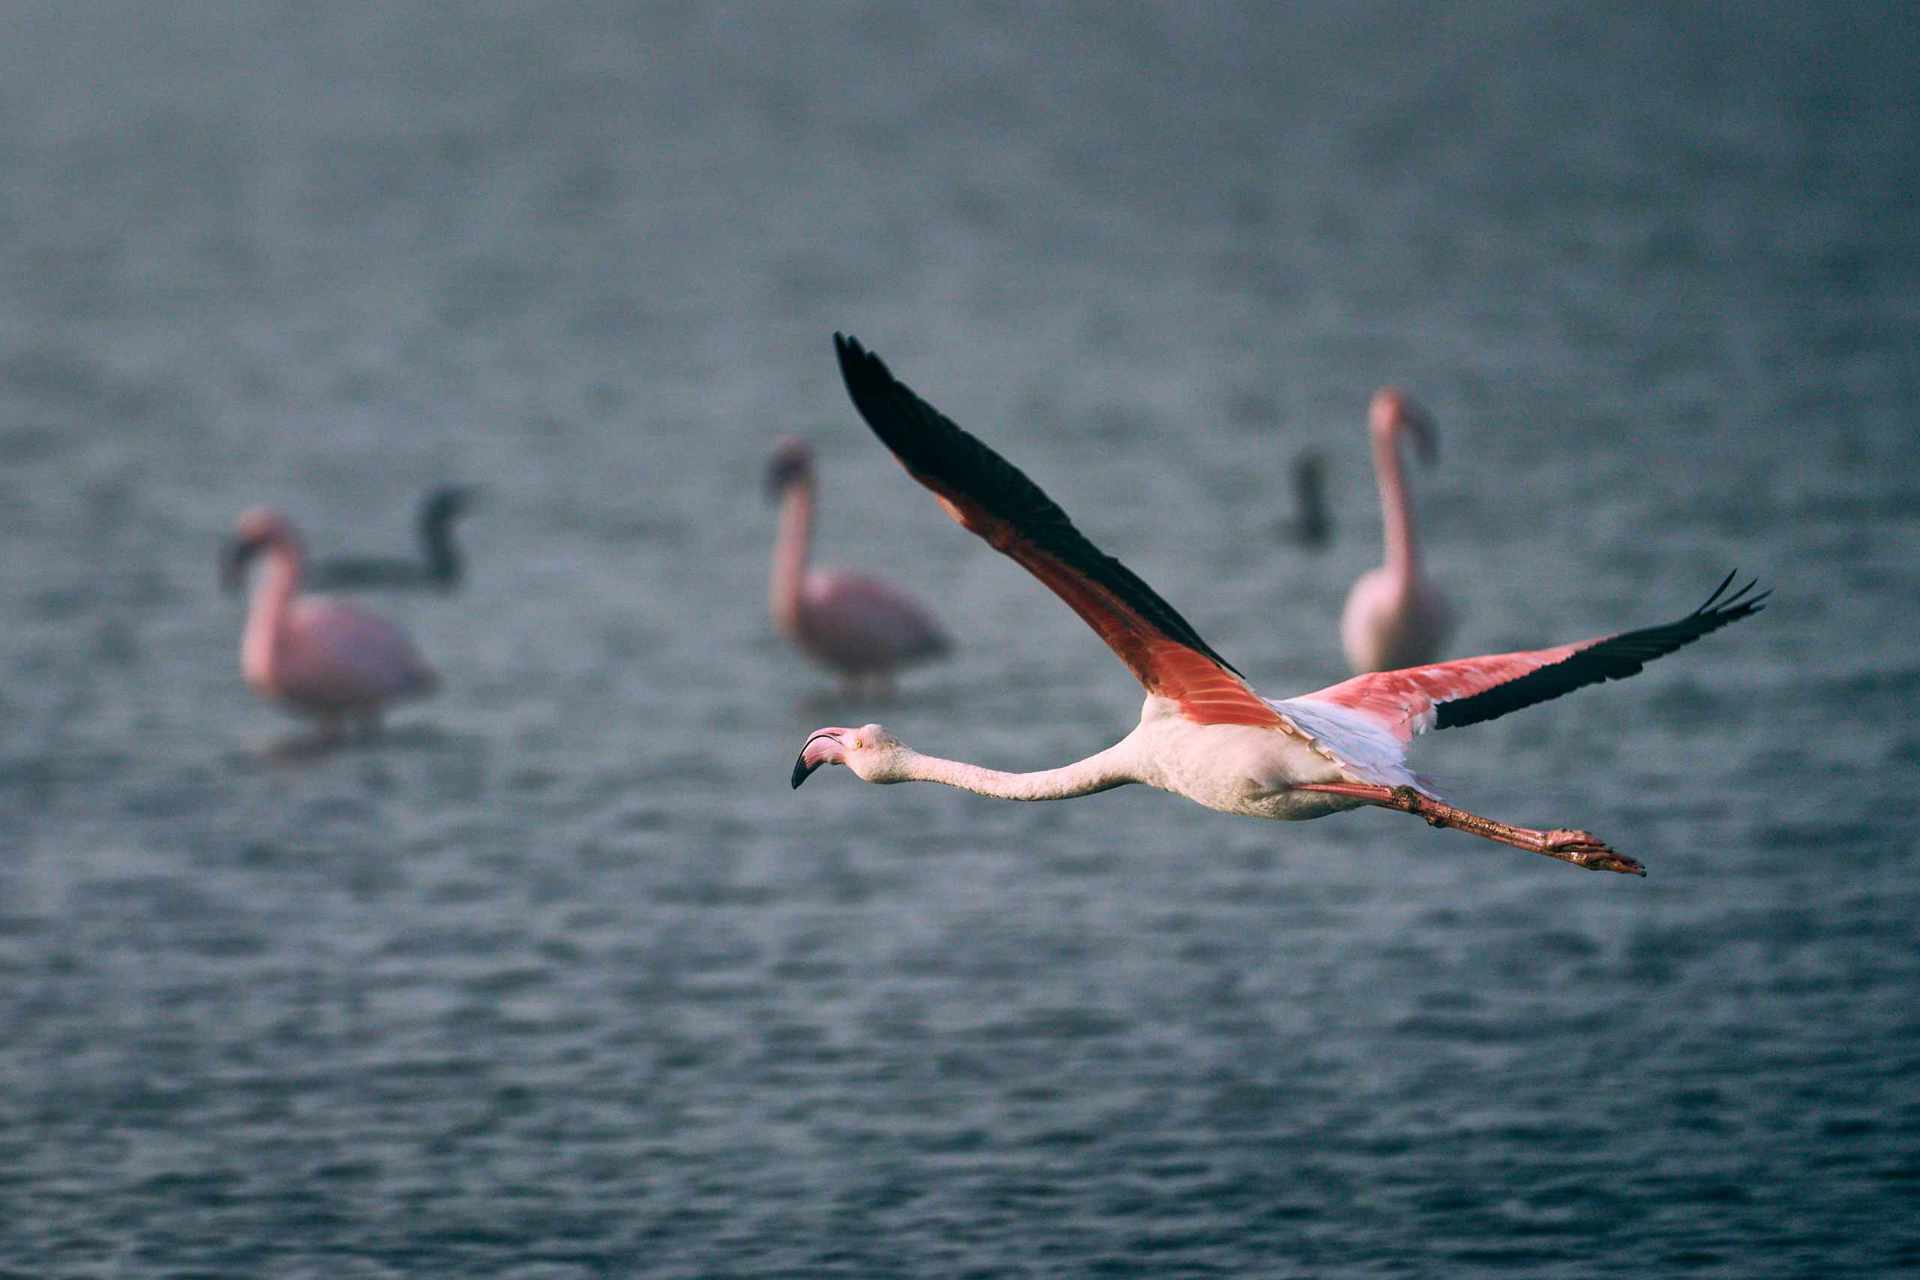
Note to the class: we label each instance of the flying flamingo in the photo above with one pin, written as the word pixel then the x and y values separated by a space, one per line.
pixel 1394 616
pixel 439 570
pixel 860 627
pixel 1203 732
pixel 319 657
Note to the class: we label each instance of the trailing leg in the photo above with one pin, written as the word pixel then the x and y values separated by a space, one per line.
pixel 1581 848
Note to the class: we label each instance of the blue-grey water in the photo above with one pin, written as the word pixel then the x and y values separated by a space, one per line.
pixel 559 978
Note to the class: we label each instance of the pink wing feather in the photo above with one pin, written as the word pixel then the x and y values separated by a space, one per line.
pixel 863 624
pixel 339 655
pixel 1447 695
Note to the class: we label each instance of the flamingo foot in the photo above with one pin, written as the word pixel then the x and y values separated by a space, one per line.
pixel 1584 849
pixel 1579 848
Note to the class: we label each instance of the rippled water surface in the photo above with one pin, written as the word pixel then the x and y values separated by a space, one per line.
pixel 560 979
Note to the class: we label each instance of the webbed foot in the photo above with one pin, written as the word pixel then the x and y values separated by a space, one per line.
pixel 1584 849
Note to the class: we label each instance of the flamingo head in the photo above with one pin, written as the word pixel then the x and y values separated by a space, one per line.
pixel 792 463
pixel 445 503
pixel 256 530
pixel 1394 413
pixel 870 751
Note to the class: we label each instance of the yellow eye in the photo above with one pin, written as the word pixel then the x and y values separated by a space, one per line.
pixel 856 744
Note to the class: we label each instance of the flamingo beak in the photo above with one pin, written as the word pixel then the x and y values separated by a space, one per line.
pixel 234 558
pixel 782 472
pixel 791 462
pixel 822 748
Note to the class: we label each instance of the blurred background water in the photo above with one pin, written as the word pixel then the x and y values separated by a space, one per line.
pixel 560 979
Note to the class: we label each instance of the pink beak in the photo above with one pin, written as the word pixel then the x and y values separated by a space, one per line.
pixel 822 748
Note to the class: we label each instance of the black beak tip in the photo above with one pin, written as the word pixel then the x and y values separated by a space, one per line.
pixel 233 568
pixel 802 770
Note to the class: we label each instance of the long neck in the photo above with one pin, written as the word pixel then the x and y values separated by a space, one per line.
pixel 790 554
pixel 267 613
pixel 1099 772
pixel 436 536
pixel 1396 505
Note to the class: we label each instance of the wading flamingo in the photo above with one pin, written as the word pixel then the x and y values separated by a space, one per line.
pixel 319 657
pixel 1394 616
pixel 438 570
pixel 1203 732
pixel 857 626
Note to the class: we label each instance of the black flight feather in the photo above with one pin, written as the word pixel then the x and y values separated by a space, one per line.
pixel 932 445
pixel 1614 658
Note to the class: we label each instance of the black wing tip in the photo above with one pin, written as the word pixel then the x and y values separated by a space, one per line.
pixel 871 386
pixel 856 361
pixel 1614 658
pixel 930 444
pixel 1742 603
pixel 905 423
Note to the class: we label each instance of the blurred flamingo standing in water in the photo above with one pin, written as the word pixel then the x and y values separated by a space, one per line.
pixel 439 568
pixel 1394 617
pixel 1203 732
pixel 857 626
pixel 319 657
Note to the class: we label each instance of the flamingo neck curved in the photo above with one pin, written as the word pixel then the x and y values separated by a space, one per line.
pixel 273 593
pixel 790 547
pixel 1396 506
pixel 1101 771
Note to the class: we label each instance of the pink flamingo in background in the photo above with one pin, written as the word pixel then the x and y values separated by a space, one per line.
pixel 320 657
pixel 1394 616
pixel 1203 732
pixel 858 626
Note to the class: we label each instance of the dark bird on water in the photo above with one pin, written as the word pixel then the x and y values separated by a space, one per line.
pixel 440 567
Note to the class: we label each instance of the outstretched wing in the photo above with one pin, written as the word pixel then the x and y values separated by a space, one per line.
pixel 989 496
pixel 1446 695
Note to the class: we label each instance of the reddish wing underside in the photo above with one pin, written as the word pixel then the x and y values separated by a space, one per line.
pixel 1446 695
pixel 1404 700
pixel 1207 692
pixel 990 497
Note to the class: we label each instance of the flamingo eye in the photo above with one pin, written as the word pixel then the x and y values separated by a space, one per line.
pixel 856 742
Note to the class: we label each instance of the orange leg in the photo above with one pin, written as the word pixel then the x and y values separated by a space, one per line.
pixel 1581 848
